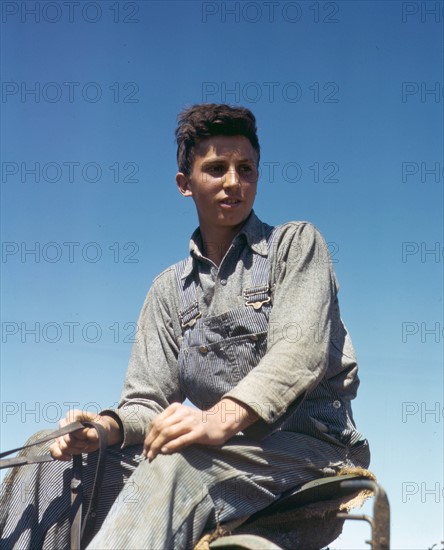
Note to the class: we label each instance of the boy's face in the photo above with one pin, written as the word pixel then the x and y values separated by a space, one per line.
pixel 222 182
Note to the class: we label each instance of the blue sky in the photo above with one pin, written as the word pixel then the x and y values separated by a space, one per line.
pixel 349 102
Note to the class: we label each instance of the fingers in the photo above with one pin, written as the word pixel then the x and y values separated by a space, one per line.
pixel 172 430
pixel 61 450
pixel 166 441
pixel 65 446
pixel 178 443
pixel 81 441
pixel 164 428
pixel 77 415
pixel 57 453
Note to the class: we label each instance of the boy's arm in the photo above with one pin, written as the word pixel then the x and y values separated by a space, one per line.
pixel 300 325
pixel 151 382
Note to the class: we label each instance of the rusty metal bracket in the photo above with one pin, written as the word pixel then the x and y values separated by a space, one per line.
pixel 380 523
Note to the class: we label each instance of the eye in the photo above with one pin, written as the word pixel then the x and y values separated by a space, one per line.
pixel 248 171
pixel 216 169
pixel 245 169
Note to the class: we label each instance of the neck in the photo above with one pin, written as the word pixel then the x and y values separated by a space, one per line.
pixel 217 242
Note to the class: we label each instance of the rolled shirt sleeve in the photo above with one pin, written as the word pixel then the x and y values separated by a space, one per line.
pixel 151 382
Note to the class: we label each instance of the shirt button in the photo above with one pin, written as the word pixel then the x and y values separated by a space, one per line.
pixel 203 349
pixel 223 282
pixel 337 404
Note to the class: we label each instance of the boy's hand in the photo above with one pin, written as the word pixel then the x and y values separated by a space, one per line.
pixel 179 426
pixel 84 440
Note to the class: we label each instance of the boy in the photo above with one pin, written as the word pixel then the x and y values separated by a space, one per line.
pixel 248 329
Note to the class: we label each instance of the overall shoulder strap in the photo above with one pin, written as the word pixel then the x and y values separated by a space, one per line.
pixel 186 287
pixel 259 292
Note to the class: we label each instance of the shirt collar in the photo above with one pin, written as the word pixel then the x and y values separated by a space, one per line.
pixel 254 232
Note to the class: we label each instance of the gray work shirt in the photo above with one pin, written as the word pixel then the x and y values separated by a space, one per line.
pixel 309 358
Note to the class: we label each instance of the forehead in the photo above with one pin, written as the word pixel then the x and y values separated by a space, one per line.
pixel 225 147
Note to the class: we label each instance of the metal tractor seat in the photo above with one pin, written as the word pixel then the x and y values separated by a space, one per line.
pixel 308 518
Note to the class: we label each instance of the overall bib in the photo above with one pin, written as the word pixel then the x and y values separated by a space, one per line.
pixel 218 351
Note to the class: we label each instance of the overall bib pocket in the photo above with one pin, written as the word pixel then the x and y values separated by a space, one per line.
pixel 209 370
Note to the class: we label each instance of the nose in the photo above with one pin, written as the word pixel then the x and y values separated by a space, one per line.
pixel 231 178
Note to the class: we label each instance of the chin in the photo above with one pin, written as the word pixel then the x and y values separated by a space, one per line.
pixel 235 220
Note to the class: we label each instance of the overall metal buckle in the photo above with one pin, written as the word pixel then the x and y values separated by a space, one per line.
pixel 257 296
pixel 190 315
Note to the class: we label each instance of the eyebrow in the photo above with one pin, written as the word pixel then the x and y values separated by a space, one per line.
pixel 220 160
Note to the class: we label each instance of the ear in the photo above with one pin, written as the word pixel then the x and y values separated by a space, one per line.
pixel 183 184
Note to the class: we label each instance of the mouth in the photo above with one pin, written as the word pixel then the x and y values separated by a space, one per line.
pixel 230 202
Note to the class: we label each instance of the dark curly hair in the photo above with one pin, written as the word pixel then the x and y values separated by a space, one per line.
pixel 200 121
